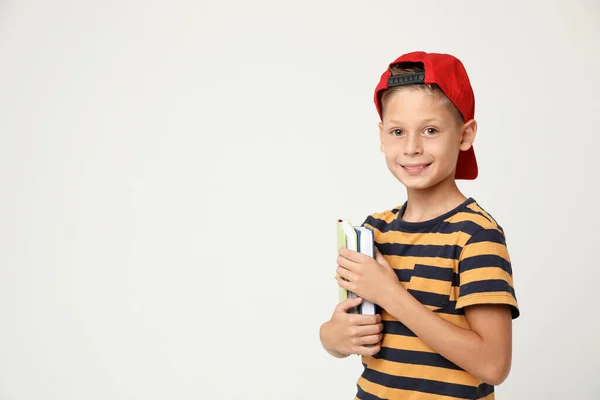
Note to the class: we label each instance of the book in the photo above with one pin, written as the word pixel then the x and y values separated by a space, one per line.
pixel 359 239
pixel 366 245
pixel 347 237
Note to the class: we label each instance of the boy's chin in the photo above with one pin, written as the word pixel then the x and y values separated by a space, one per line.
pixel 419 182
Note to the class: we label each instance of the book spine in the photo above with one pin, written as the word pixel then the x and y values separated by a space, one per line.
pixel 366 307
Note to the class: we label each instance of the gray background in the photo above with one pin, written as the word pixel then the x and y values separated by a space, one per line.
pixel 171 173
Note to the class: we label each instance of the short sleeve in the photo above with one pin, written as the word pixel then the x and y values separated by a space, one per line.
pixel 485 272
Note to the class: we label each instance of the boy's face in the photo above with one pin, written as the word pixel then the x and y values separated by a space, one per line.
pixel 421 137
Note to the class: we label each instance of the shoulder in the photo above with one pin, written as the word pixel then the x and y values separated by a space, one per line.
pixel 381 219
pixel 485 235
pixel 476 218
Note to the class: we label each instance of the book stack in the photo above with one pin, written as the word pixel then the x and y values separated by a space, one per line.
pixel 359 239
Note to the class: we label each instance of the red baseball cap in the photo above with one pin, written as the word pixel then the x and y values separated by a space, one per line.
pixel 450 75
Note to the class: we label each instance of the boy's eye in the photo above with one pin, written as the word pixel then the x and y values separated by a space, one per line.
pixel 397 132
pixel 430 131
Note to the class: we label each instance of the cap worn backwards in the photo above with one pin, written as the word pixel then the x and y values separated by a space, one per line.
pixel 450 75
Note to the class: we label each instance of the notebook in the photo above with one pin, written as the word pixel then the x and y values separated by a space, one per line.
pixel 360 239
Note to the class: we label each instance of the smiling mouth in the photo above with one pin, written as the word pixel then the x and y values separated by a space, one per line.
pixel 415 168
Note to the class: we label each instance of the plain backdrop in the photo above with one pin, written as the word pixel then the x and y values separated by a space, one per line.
pixel 171 173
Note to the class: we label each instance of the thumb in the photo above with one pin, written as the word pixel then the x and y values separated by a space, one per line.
pixel 380 258
pixel 347 304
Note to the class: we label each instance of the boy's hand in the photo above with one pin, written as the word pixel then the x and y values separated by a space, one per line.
pixel 347 334
pixel 371 279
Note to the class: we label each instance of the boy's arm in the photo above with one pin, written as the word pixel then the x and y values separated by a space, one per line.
pixel 488 300
pixel 485 350
pixel 486 295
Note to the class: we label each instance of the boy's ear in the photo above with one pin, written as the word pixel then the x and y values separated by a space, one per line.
pixel 381 146
pixel 468 135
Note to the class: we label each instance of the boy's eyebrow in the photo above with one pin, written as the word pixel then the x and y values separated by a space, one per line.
pixel 425 121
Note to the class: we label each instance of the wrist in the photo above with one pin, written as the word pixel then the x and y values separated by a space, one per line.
pixel 394 294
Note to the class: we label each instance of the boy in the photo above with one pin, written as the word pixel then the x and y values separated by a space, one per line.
pixel 442 277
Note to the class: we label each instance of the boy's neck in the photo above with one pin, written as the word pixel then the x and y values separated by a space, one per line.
pixel 425 204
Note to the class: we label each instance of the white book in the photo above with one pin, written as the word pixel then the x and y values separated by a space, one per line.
pixel 366 245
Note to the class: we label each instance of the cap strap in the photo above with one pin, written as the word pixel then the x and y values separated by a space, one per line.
pixel 406 79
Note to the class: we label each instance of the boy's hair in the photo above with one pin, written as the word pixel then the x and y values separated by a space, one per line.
pixel 431 88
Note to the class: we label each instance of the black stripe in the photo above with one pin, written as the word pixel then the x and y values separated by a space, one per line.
pixel 444 227
pixel 430 299
pixel 404 275
pixel 450 309
pixel 379 223
pixel 455 280
pixel 424 250
pixel 415 357
pixel 396 328
pixel 470 211
pixel 486 286
pixel 489 216
pixel 488 235
pixel 484 390
pixel 362 395
pixel 420 385
pixel 433 272
pixel 485 260
pixel 469 227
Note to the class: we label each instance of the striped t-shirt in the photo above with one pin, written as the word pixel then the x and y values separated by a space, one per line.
pixel 450 262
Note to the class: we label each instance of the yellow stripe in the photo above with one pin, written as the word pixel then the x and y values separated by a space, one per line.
pixel 389 393
pixel 387 216
pixel 483 248
pixel 430 285
pixel 476 207
pixel 458 320
pixel 422 372
pixel 435 238
pixel 486 298
pixel 386 316
pixel 485 273
pixel 465 216
pixel 405 342
pixel 408 262
pixel 454 293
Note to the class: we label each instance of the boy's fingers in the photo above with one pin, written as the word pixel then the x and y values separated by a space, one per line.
pixel 347 304
pixel 366 330
pixel 342 272
pixel 344 283
pixel 368 350
pixel 370 339
pixel 365 319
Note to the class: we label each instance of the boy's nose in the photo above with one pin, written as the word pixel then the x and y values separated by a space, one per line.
pixel 413 144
